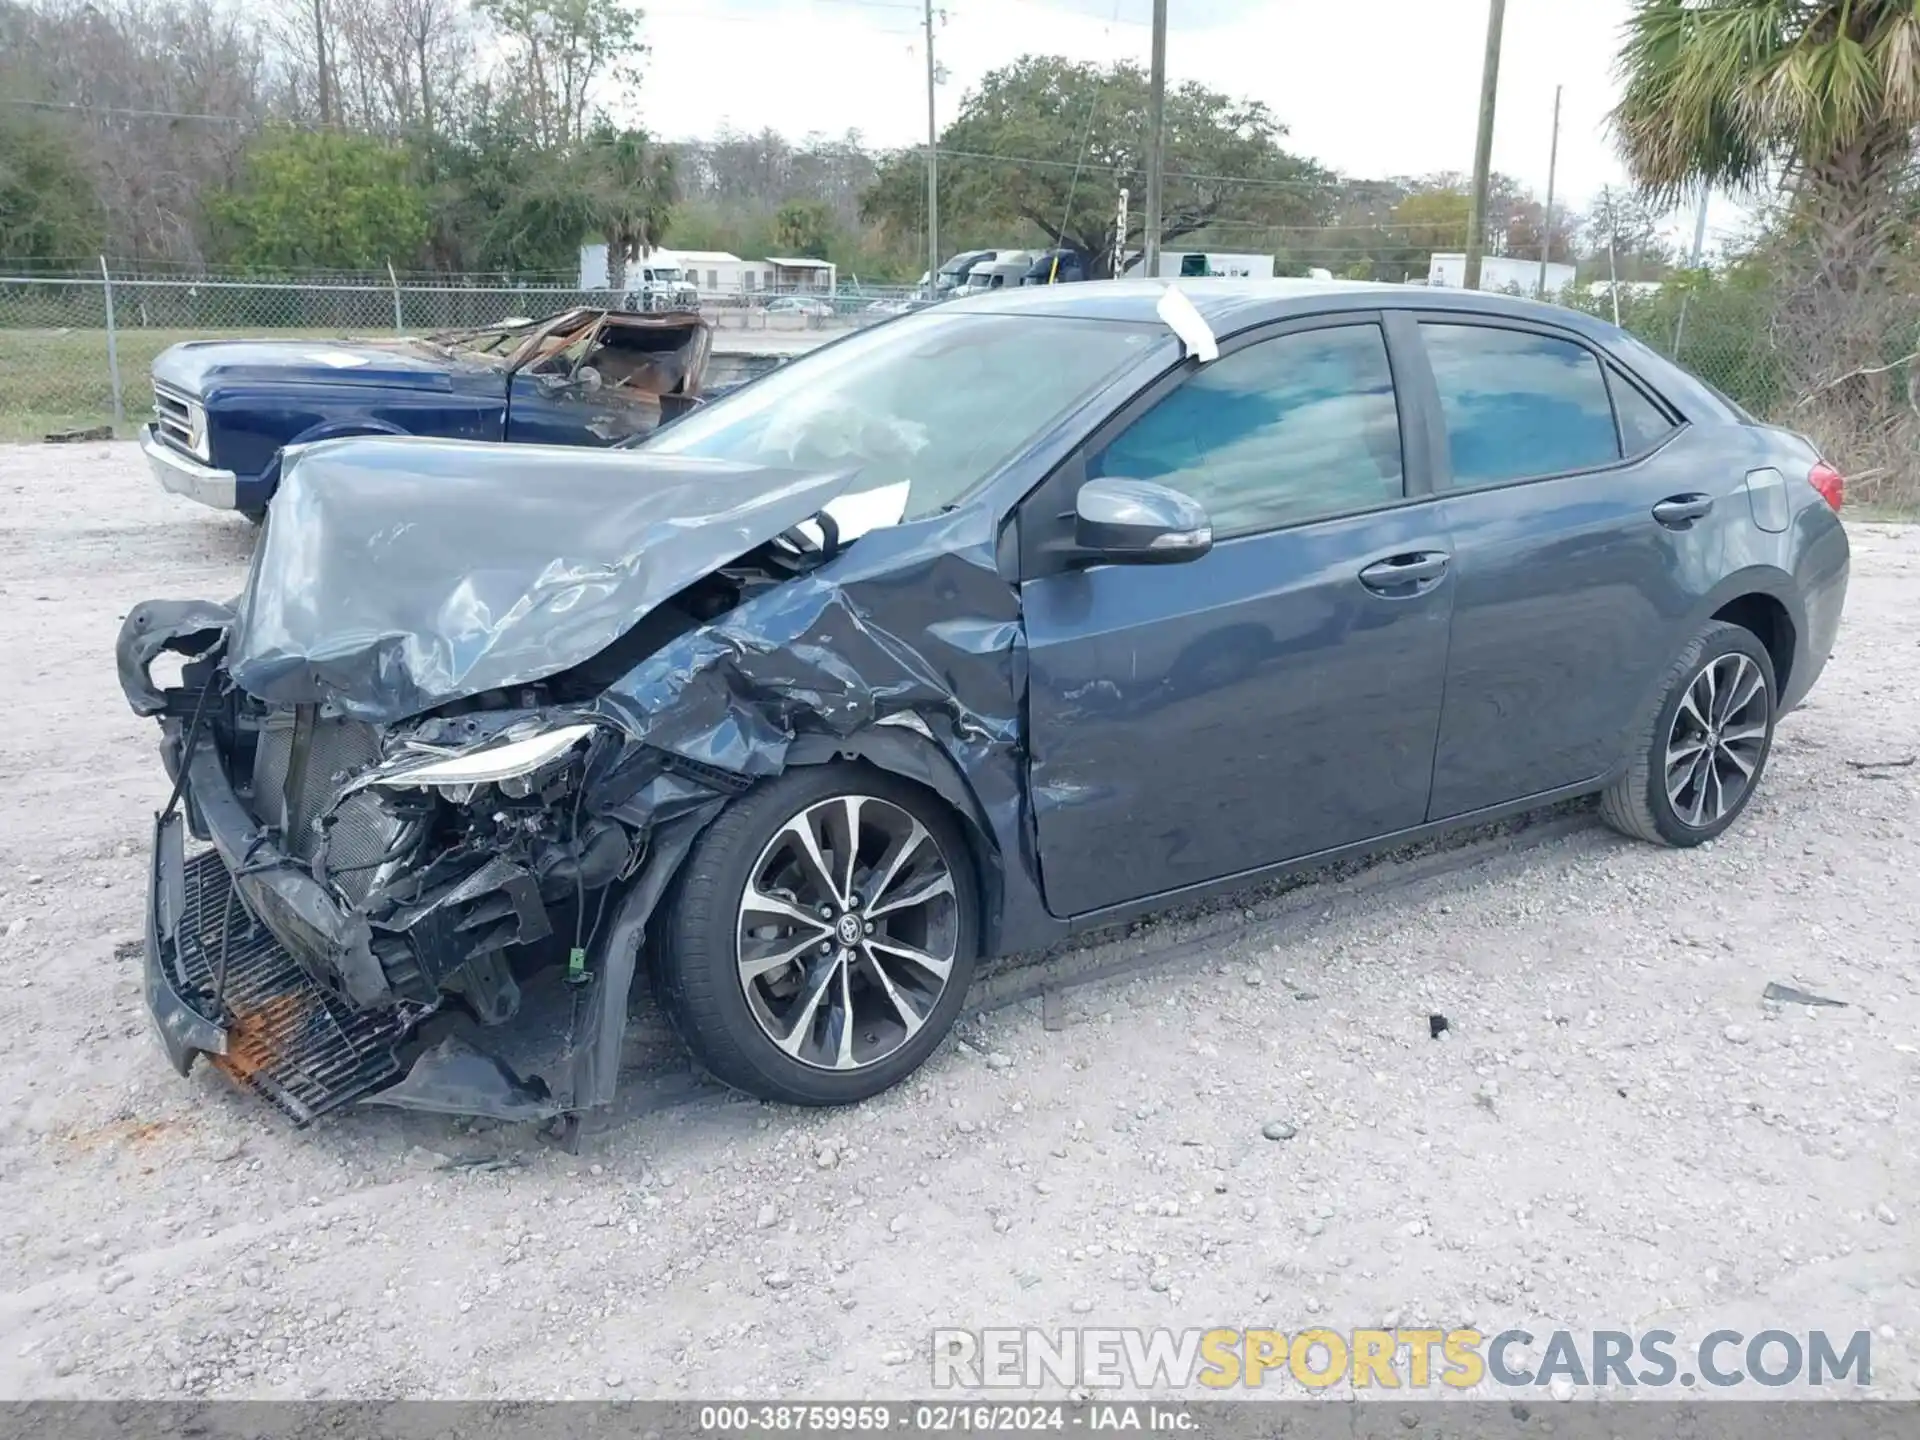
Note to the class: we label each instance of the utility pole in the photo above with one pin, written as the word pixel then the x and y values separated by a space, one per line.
pixel 1613 263
pixel 1483 145
pixel 933 170
pixel 1700 228
pixel 1553 164
pixel 1156 140
pixel 321 76
pixel 1693 263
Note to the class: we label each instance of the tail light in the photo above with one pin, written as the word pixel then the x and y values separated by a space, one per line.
pixel 1831 484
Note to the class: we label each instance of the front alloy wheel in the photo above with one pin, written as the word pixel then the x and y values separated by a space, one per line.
pixel 847 932
pixel 821 936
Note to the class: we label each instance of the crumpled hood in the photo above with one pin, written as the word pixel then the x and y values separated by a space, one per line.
pixel 198 366
pixel 395 575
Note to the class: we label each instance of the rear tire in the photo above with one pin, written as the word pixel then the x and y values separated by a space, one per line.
pixel 1700 755
pixel 740 967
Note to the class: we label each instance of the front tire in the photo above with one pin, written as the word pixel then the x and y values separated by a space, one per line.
pixel 821 937
pixel 1699 760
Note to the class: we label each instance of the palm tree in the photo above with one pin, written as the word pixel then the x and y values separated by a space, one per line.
pixel 631 185
pixel 1821 97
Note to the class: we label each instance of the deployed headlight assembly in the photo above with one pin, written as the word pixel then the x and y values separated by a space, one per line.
pixel 493 763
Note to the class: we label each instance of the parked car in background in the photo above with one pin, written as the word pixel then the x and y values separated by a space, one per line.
pixel 225 410
pixel 813 307
pixel 995 622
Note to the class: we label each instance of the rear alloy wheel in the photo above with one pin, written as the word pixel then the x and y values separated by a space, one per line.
pixel 1698 765
pixel 823 938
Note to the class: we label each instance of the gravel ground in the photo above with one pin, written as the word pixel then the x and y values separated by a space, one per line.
pixel 1616 1132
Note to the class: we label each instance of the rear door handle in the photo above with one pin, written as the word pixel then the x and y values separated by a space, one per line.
pixel 1677 512
pixel 1403 575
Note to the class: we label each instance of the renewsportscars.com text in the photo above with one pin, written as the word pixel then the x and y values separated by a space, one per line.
pixel 1458 1359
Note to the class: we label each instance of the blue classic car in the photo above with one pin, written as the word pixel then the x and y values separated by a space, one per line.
pixel 225 409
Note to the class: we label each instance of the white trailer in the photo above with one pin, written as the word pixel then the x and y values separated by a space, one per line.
pixel 1500 272
pixel 1193 264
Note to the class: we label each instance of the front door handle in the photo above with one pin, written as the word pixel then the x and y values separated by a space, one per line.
pixel 1403 575
pixel 1677 512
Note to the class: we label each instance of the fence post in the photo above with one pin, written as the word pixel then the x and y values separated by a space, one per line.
pixel 113 348
pixel 399 325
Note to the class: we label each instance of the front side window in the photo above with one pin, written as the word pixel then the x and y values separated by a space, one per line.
pixel 1517 404
pixel 941 400
pixel 1290 429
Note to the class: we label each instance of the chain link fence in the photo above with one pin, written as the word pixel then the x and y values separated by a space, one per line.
pixel 76 351
pixel 1722 333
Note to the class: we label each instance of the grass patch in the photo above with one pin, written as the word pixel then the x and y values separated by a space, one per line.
pixel 59 379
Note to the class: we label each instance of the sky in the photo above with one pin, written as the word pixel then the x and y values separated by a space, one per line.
pixel 1369 88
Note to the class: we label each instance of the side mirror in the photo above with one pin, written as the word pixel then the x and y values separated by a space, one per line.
pixel 1138 522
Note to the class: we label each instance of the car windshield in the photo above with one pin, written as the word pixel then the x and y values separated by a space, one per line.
pixel 940 400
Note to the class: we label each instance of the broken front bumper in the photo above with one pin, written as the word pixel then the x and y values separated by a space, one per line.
pixel 184 1032
pixel 218 983
pixel 226 931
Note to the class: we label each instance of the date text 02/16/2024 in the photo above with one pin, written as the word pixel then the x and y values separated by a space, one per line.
pixel 944 1419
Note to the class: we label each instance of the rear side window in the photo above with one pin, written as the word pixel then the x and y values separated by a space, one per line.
pixel 1519 405
pixel 1299 427
pixel 1643 425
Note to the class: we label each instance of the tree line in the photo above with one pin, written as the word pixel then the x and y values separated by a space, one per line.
pixel 480 137
pixel 483 137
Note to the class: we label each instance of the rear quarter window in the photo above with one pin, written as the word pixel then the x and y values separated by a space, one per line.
pixel 1518 404
pixel 1643 424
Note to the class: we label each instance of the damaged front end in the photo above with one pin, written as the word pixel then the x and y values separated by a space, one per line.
pixel 361 881
pixel 427 839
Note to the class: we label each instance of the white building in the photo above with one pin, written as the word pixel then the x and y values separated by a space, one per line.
pixel 712 272
pixel 794 274
pixel 716 274
pixel 1192 264
pixel 1501 272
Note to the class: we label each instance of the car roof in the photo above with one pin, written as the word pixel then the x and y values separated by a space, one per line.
pixel 1229 305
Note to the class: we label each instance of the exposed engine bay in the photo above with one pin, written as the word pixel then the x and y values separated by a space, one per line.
pixel 460 835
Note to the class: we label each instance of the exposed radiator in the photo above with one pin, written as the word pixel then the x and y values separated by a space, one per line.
pixel 288 1040
pixel 362 832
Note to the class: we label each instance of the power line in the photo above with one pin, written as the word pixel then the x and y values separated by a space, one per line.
pixel 1356 233
pixel 1034 162
pixel 1353 227
pixel 694 15
pixel 125 110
